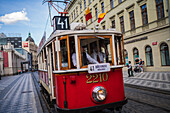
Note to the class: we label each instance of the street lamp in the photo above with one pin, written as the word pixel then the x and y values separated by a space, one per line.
pixel 2 55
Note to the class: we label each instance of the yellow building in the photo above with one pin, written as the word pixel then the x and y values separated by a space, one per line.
pixel 145 25
pixel 31 47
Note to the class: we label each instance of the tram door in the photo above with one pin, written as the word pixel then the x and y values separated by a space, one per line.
pixel 49 68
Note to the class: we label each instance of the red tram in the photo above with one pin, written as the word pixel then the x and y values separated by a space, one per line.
pixel 77 80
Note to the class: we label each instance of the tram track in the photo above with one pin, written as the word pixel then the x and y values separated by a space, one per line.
pixel 44 104
pixel 148 96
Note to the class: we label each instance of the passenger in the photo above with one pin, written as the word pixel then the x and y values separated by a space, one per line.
pixel 98 55
pixel 85 58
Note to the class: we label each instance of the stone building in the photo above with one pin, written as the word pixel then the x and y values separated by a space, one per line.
pixel 10 60
pixel 145 25
pixel 31 47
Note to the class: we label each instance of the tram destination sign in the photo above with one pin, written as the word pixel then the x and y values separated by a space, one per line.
pixel 97 68
pixel 61 23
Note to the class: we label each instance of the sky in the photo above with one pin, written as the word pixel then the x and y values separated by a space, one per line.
pixel 19 17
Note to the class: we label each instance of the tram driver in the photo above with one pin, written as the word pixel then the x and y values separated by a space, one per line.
pixel 85 58
pixel 98 55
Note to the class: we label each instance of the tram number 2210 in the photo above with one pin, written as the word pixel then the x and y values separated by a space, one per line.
pixel 95 78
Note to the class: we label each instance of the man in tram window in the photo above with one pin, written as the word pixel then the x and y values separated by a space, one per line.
pixel 85 58
pixel 98 55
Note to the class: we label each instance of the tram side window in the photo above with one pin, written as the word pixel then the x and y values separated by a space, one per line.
pixel 119 50
pixel 64 53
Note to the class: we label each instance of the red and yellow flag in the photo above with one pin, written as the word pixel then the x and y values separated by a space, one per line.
pixel 88 14
pixel 101 16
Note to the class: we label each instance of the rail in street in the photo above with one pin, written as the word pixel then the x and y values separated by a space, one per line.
pixel 19 95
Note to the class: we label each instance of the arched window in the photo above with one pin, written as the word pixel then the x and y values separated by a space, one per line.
pixel 126 56
pixel 149 58
pixel 164 54
pixel 135 53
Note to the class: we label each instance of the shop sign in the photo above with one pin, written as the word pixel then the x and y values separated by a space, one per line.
pixel 25 44
pixel 154 43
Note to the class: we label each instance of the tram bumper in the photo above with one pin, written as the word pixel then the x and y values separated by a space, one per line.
pixel 94 108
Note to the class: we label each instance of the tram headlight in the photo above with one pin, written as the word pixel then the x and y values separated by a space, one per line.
pixel 99 94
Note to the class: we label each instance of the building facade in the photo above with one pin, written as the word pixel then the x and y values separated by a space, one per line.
pixel 31 47
pixel 145 25
pixel 10 60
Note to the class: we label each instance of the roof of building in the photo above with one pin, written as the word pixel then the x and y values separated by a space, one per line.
pixel 30 38
pixel 2 35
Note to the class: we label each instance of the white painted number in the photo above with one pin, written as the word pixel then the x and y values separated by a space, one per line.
pixel 62 23
pixel 66 23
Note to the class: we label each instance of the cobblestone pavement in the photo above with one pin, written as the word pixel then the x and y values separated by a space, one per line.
pixel 150 101
pixel 18 95
pixel 156 80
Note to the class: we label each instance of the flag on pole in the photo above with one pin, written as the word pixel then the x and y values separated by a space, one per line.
pixel 101 16
pixel 88 14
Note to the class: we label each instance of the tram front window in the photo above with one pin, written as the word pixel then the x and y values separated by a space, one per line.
pixel 95 50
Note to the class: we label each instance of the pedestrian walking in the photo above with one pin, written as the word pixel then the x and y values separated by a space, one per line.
pixel 141 63
pixel 129 69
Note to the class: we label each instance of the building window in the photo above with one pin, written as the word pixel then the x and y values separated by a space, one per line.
pixel 111 4
pixel 160 8
pixel 74 14
pixel 126 57
pixel 81 7
pixel 96 13
pixel 103 26
pixel 164 54
pixel 91 14
pixel 81 19
pixel 122 24
pixel 85 4
pixel 135 54
pixel 132 20
pixel 102 7
pixel 120 1
pixel 77 11
pixel 144 14
pixel 149 58
pixel 89 1
pixel 113 24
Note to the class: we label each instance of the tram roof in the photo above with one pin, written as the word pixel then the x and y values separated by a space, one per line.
pixel 80 33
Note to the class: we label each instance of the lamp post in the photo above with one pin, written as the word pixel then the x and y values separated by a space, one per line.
pixel 0 59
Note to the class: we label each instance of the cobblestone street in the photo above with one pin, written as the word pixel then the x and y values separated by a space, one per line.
pixel 18 95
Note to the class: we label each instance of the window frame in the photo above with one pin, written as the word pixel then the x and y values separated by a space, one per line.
pixel 132 20
pixel 145 13
pixel 111 4
pixel 150 55
pixel 122 27
pixel 165 53
pixel 102 7
pixel 161 5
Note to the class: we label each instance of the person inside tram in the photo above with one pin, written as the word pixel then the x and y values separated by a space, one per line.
pixel 85 58
pixel 98 55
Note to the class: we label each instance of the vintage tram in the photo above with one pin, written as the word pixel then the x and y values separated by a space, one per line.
pixel 75 79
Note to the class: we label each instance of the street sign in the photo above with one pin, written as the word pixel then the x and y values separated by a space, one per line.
pixel 61 23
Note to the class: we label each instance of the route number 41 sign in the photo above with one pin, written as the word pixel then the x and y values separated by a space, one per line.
pixel 61 23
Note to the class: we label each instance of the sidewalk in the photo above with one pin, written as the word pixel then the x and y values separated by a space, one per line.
pixel 159 81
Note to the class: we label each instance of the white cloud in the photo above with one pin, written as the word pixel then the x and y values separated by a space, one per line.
pixel 14 17
pixel 0 26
